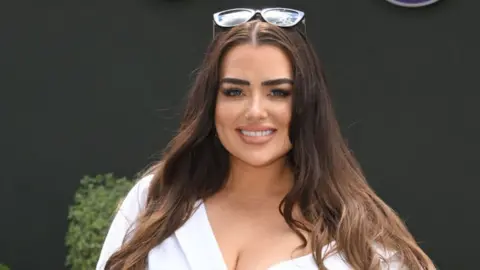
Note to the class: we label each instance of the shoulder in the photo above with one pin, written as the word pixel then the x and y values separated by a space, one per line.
pixel 124 221
pixel 390 259
pixel 139 191
pixel 142 186
pixel 135 201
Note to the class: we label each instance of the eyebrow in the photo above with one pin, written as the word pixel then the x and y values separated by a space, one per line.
pixel 265 83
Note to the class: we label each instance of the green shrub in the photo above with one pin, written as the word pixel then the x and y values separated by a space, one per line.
pixel 95 204
pixel 4 267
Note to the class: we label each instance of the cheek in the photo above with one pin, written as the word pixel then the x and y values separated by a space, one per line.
pixel 283 115
pixel 225 114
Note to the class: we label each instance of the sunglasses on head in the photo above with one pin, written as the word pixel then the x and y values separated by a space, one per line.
pixel 282 17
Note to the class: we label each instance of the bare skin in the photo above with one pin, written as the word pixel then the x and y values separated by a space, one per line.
pixel 249 229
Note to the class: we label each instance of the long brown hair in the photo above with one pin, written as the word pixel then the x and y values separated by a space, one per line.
pixel 329 186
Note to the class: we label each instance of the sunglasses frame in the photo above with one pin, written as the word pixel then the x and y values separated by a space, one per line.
pixel 256 13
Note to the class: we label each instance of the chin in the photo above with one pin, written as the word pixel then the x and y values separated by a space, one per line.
pixel 259 161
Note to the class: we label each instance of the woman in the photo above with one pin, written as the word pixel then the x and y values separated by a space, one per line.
pixel 258 176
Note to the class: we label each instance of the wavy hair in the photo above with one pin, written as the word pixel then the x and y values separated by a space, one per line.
pixel 329 186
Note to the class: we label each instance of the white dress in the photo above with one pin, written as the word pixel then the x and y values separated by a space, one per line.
pixel 193 246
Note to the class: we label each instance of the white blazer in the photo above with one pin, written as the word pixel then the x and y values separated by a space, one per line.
pixel 193 246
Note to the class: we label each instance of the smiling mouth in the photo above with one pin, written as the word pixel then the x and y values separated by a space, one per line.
pixel 260 133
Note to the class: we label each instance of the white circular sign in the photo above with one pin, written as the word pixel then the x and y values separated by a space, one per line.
pixel 412 3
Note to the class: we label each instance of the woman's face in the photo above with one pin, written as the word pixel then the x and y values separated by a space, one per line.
pixel 254 102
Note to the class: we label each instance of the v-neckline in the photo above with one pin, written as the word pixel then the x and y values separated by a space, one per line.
pixel 213 243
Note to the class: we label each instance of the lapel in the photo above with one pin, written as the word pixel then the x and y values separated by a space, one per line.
pixel 198 243
pixel 333 262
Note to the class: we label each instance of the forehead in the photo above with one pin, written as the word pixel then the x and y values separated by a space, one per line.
pixel 260 62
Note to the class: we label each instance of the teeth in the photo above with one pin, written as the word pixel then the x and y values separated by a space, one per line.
pixel 256 133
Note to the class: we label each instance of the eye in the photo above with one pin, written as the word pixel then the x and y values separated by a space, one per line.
pixel 232 92
pixel 279 93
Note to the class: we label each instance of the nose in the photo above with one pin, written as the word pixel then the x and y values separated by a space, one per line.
pixel 256 108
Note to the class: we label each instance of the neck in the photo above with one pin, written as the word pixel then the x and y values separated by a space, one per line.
pixel 251 184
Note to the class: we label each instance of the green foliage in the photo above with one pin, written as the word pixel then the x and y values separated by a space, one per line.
pixel 4 267
pixel 95 204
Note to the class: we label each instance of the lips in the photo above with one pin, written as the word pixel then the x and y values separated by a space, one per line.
pixel 256 135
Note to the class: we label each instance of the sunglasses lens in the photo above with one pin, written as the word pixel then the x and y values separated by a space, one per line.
pixel 282 17
pixel 233 17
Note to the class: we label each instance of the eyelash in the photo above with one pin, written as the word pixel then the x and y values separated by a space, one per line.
pixel 230 92
pixel 234 92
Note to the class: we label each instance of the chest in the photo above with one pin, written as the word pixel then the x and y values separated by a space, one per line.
pixel 258 242
pixel 195 246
